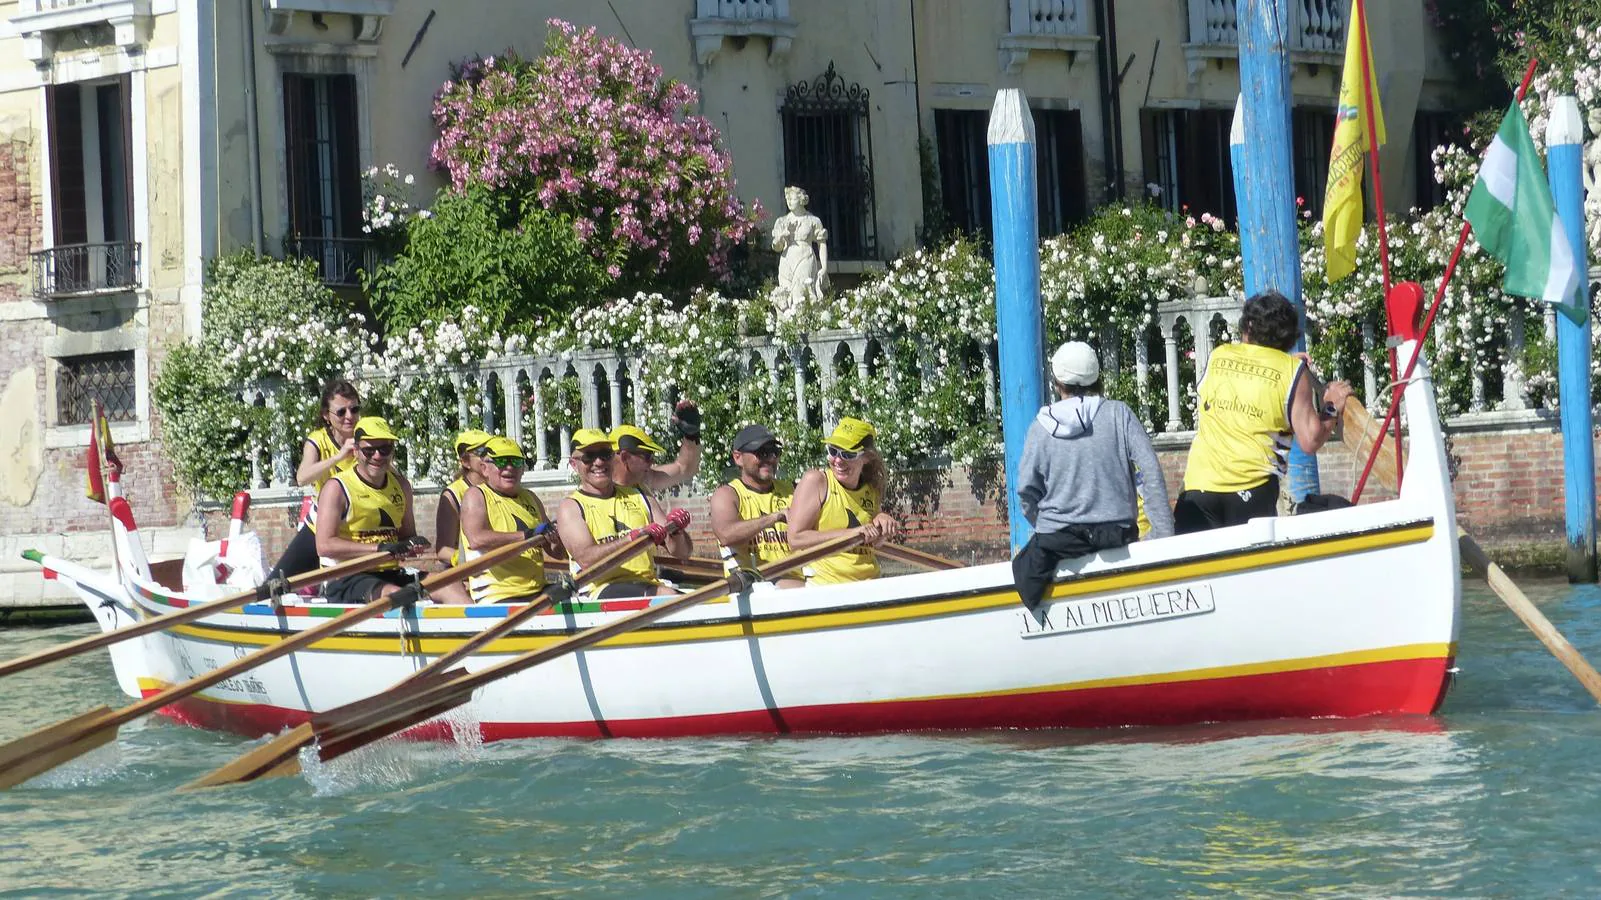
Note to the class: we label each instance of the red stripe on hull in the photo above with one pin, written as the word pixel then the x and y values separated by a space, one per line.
pixel 1414 686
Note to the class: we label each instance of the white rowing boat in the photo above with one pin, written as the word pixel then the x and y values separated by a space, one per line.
pixel 1350 612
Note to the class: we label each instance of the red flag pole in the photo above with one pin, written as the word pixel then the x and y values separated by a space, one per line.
pixel 1428 321
pixel 1378 202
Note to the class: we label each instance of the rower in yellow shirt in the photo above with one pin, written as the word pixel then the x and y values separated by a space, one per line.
pixel 500 511
pixel 750 513
pixel 602 512
pixel 845 496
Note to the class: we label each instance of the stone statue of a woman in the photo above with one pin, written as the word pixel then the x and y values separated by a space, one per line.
pixel 802 270
pixel 1592 153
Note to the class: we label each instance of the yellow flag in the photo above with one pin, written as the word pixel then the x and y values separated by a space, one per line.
pixel 1342 199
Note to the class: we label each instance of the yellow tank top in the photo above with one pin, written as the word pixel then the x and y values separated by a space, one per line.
pixel 611 519
pixel 770 543
pixel 844 508
pixel 521 576
pixel 1242 434
pixel 326 449
pixel 373 515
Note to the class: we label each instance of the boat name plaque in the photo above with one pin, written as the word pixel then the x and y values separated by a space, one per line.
pixel 1090 613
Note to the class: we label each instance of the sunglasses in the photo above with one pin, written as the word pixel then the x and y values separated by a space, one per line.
pixel 766 451
pixel 591 456
pixel 377 450
pixel 346 412
pixel 645 455
pixel 846 455
pixel 506 462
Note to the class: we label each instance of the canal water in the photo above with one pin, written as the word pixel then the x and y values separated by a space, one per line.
pixel 1496 797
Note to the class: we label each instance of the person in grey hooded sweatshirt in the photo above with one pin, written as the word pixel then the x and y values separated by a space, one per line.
pixel 1086 462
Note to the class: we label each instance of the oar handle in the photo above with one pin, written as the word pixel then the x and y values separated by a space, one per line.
pixel 181 616
pixel 906 554
pixel 611 562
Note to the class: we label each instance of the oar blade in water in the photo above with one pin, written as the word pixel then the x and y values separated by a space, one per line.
pixel 53 745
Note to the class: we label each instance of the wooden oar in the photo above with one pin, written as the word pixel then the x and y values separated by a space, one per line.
pixel 340 731
pixel 269 758
pixel 1360 431
pixel 48 747
pixel 261 593
pixel 920 558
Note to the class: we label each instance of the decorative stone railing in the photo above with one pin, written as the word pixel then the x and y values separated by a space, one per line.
pixel 1034 25
pixel 1187 328
pixel 718 19
pixel 1317 32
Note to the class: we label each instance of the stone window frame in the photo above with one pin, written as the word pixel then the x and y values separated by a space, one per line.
pixel 66 344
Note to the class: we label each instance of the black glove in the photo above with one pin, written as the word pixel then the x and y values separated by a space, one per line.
pixel 416 545
pixel 686 420
pixel 393 548
pixel 537 531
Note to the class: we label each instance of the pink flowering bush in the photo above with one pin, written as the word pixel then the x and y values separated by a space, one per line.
pixel 592 130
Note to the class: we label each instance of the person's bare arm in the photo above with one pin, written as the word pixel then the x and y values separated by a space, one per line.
pixel 553 544
pixel 331 508
pixel 574 533
pixel 1311 429
pixel 683 467
pixel 312 467
pixel 730 529
pixel 447 526
pixel 475 524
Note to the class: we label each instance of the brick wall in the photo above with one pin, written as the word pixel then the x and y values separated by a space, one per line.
pixel 20 217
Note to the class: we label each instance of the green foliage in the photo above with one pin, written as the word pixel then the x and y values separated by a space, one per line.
pixel 266 322
pixel 514 263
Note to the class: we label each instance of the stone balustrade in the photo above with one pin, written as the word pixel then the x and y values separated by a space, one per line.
pixel 807 370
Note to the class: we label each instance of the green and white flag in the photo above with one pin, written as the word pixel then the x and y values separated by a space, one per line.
pixel 1514 218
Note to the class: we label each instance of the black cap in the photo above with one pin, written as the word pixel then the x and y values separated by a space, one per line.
pixel 754 437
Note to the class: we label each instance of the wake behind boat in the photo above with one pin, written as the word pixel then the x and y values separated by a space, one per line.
pixel 1349 612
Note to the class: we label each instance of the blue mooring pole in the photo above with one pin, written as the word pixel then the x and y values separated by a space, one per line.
pixel 1265 182
pixel 1018 319
pixel 1565 145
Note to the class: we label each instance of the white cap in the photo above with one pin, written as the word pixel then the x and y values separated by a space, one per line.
pixel 1075 363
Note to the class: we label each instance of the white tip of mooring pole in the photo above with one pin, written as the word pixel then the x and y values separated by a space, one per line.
pixel 1237 126
pixel 1564 126
pixel 1010 120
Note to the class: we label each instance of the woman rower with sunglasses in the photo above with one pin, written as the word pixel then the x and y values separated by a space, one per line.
pixel 326 451
pixel 845 496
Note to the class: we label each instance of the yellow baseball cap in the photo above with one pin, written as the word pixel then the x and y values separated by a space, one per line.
pixel 471 439
pixel 374 428
pixel 850 434
pixel 498 446
pixel 590 437
pixel 632 437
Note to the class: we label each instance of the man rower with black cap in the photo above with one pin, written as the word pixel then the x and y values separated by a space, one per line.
pixel 602 511
pixel 637 454
pixel 750 514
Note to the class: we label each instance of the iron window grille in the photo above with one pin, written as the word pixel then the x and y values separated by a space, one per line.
pixel 107 377
pixel 828 152
pixel 85 269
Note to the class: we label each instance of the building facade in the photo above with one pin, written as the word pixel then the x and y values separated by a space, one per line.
pixel 140 138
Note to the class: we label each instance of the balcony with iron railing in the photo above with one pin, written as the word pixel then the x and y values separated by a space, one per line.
pixel 72 270
pixel 340 261
pixel 1033 25
pixel 718 19
pixel 1316 37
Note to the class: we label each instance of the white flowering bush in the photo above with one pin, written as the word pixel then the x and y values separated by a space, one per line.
pixel 267 323
pixel 386 200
